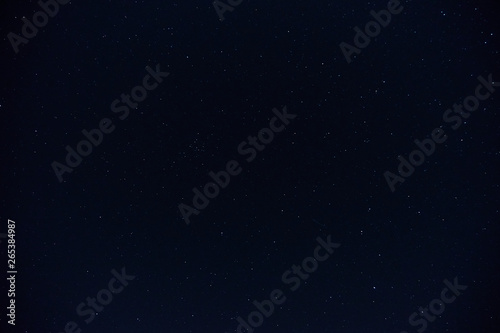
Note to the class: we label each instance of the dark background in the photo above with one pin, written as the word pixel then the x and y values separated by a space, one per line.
pixel 119 207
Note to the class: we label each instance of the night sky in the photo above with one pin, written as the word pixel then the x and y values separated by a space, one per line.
pixel 297 126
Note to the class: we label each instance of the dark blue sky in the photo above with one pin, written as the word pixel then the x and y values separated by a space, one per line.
pixel 322 175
